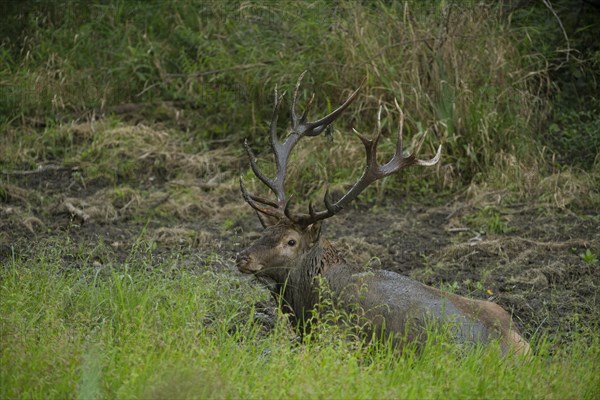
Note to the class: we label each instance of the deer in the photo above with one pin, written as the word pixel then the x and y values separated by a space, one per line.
pixel 292 258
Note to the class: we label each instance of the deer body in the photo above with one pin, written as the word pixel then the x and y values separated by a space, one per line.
pixel 291 256
pixel 395 305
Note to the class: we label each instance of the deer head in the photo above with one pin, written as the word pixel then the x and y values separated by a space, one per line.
pixel 271 256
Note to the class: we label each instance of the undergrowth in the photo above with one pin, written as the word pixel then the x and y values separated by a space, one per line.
pixel 457 70
pixel 488 82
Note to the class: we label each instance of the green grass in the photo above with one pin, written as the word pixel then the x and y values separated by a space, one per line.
pixel 489 220
pixel 142 329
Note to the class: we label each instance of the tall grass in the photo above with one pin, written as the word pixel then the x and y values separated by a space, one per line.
pixel 457 69
pixel 147 330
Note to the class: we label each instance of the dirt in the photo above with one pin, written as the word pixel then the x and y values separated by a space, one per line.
pixel 533 266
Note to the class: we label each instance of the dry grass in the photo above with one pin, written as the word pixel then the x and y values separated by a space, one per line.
pixel 518 181
pixel 146 152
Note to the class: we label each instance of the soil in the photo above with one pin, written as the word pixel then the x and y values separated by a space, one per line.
pixel 534 266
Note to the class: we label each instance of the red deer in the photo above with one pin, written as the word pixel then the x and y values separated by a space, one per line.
pixel 291 255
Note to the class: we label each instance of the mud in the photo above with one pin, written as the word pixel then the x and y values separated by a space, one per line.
pixel 532 265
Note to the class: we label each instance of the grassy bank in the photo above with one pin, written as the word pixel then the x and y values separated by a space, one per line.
pixel 147 330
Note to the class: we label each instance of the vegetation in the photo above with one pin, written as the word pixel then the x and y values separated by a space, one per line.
pixel 156 330
pixel 121 147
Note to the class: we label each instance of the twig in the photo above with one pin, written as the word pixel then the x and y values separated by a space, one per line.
pixel 30 223
pixel 40 170
pixel 76 211
pixel 452 230
pixel 159 201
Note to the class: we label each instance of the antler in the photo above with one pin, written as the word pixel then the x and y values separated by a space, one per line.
pixel 281 151
pixel 373 172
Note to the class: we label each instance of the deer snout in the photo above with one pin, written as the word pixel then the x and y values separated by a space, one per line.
pixel 245 263
pixel 241 257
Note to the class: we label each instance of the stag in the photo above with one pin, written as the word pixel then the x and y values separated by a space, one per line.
pixel 293 259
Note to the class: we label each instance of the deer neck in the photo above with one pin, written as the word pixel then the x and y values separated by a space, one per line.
pixel 299 292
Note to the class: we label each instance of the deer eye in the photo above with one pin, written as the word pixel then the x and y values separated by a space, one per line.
pixel 291 242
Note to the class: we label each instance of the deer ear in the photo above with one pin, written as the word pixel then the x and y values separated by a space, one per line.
pixel 314 232
pixel 266 220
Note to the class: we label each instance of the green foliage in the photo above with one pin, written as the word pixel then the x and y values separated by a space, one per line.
pixel 489 220
pixel 3 194
pixel 566 32
pixel 589 257
pixel 574 135
pixel 228 224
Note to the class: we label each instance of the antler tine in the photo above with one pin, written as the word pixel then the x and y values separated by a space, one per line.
pixel 287 211
pixel 273 126
pixel 399 147
pixel 252 201
pixel 314 128
pixel 280 152
pixel 274 145
pixel 254 166
pixel 373 171
pixel 417 148
pixel 276 185
pixel 432 161
pixel 400 161
pixel 295 120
